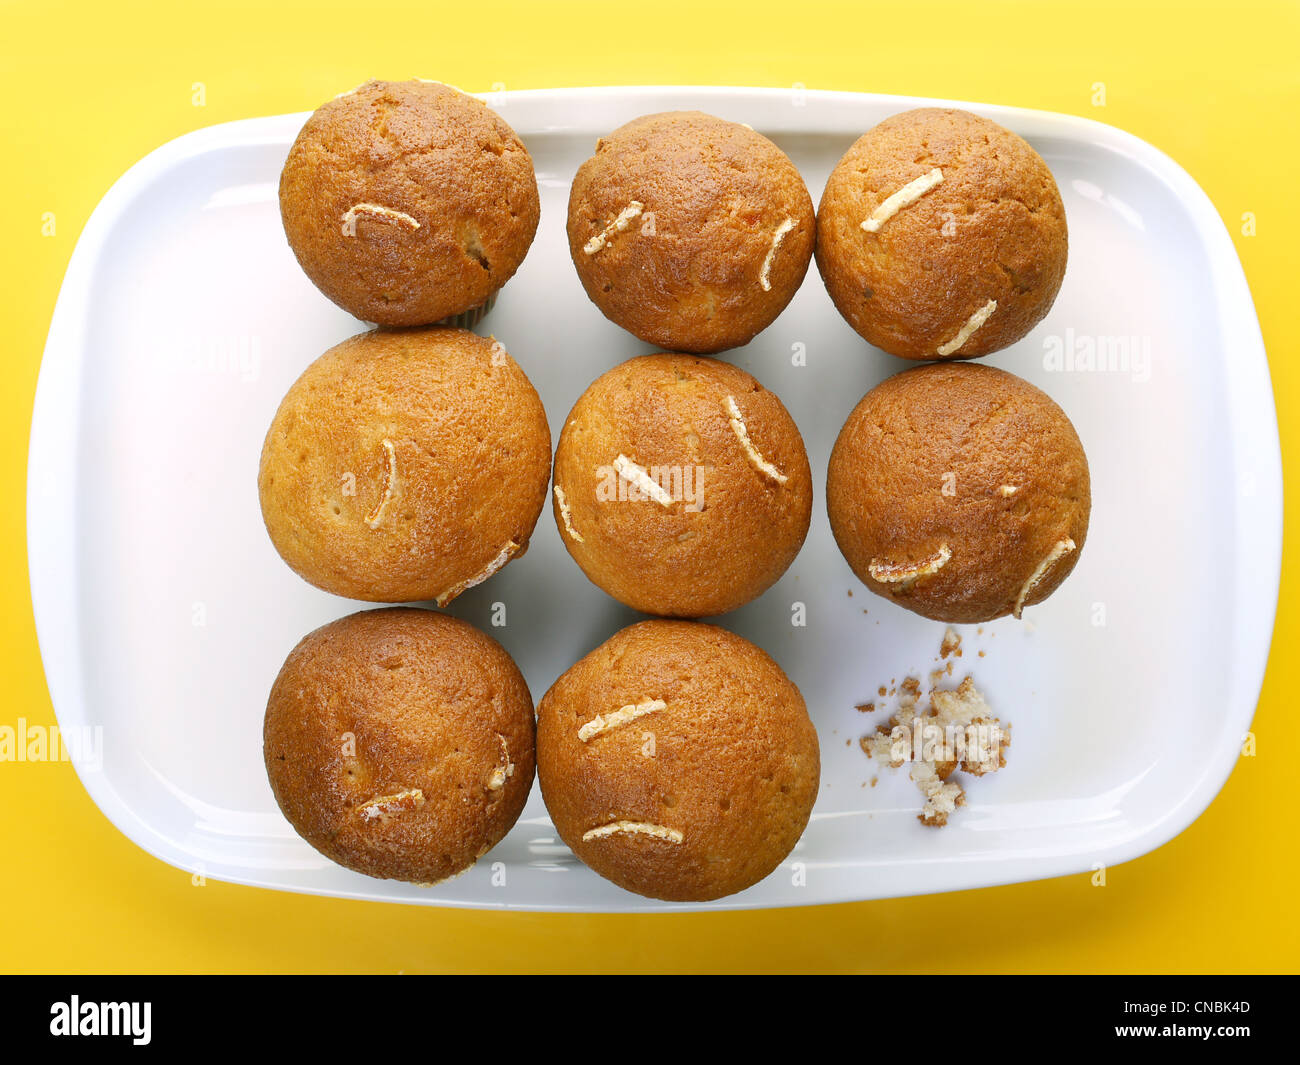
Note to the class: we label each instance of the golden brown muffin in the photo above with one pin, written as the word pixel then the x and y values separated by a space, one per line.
pixel 960 492
pixel 682 486
pixel 399 743
pixel 689 231
pixel 405 466
pixel 408 202
pixel 941 235
pixel 678 761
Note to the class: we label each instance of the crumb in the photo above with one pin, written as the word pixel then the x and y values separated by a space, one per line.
pixel 958 731
pixel 951 645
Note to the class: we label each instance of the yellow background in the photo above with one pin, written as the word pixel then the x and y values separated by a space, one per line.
pixel 90 88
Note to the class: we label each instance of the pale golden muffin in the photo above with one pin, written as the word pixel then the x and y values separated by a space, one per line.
pixel 405 466
pixel 399 743
pixel 960 492
pixel 408 202
pixel 678 761
pixel 681 487
pixel 941 235
pixel 689 231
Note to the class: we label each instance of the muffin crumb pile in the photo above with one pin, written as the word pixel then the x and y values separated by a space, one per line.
pixel 958 731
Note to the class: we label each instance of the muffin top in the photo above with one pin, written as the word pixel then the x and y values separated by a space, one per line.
pixel 678 760
pixel 408 202
pixel 689 231
pixel 682 486
pixel 399 743
pixel 959 491
pixel 405 466
pixel 941 235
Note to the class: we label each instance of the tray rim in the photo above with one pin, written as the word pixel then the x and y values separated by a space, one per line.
pixel 1256 457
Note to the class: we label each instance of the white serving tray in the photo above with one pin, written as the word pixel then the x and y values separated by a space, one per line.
pixel 164 613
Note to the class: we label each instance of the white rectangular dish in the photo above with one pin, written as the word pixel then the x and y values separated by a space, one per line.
pixel 164 613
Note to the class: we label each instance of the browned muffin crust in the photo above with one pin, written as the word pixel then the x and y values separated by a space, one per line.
pixel 689 231
pixel 408 202
pixel 399 743
pixel 724 452
pixel 678 761
pixel 992 231
pixel 960 492
pixel 405 466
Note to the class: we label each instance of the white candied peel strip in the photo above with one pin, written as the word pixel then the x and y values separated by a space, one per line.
pixel 1008 490
pixel 376 514
pixel 503 772
pixel 908 194
pixel 625 216
pixel 502 558
pixel 964 333
pixel 897 572
pixel 765 275
pixel 1059 550
pixel 564 514
pixel 647 485
pixel 605 722
pixel 377 212
pixel 755 456
pixel 637 828
pixel 386 805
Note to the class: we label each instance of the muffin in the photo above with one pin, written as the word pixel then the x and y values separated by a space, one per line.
pixel 399 743
pixel 408 202
pixel 682 487
pixel 960 492
pixel 678 761
pixel 689 231
pixel 941 235
pixel 405 466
